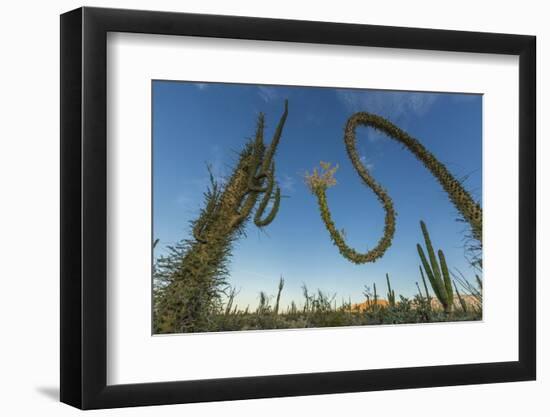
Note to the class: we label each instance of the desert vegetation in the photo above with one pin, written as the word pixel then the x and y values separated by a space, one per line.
pixel 452 302
pixel 192 288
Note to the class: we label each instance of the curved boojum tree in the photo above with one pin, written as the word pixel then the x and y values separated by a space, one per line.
pixel 319 182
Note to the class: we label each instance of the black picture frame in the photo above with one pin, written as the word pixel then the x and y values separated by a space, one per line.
pixel 84 207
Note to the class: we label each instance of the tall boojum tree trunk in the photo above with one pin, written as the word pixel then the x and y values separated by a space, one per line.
pixel 194 288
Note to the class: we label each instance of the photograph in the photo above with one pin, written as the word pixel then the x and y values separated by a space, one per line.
pixel 272 205
pixel 293 207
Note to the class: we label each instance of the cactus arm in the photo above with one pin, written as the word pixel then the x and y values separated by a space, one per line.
pixel 438 273
pixel 259 140
pixel 431 252
pixel 426 265
pixel 252 197
pixel 269 175
pixel 255 181
pixel 424 282
pixel 446 276
pixel 268 195
pixel 275 141
pixel 279 290
pixel 258 149
pixel 254 164
pixel 274 209
pixel 257 188
pixel 391 293
pixel 240 215
pixel 436 284
pixel 267 171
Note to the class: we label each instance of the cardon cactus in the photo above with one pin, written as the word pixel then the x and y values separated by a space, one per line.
pixel 438 273
pixel 428 297
pixel 193 286
pixel 391 293
pixel 279 290
pixel 461 199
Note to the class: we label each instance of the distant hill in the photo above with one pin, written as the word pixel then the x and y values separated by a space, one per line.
pixel 363 306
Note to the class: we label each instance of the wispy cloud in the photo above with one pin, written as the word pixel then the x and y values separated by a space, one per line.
pixel 374 135
pixel 313 118
pixel 287 183
pixel 183 200
pixel 391 104
pixel 267 93
pixel 201 86
pixel 216 166
pixel 367 162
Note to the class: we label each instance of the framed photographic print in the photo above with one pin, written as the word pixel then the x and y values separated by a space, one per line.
pixel 258 207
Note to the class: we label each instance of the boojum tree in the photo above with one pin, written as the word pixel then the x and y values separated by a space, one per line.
pixel 193 284
pixel 320 181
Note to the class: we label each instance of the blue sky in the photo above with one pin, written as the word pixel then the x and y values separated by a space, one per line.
pixel 199 123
